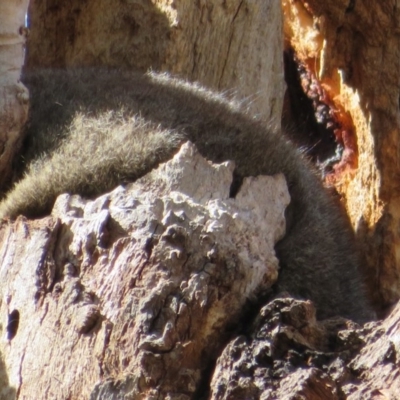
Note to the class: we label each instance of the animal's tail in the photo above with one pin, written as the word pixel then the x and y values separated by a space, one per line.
pixel 100 152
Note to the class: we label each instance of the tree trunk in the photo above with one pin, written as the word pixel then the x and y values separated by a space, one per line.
pixel 14 96
pixel 225 45
pixel 97 317
pixel 135 294
pixel 353 51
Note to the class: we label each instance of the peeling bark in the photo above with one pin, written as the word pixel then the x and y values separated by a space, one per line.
pixel 352 48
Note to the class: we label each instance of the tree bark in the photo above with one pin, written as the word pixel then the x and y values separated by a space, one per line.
pixel 288 355
pixel 353 51
pixel 13 94
pixel 159 330
pixel 136 291
pixel 231 45
pixel 135 294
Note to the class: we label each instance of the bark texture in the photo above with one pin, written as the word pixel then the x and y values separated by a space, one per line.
pixel 353 51
pixel 224 45
pixel 286 354
pixel 13 94
pixel 136 292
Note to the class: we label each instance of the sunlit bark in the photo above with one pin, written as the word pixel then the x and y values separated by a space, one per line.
pixel 13 94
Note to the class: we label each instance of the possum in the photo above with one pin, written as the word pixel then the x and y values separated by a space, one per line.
pixel 95 129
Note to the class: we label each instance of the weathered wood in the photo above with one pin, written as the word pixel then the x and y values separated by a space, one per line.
pixel 139 288
pixel 13 94
pixel 287 354
pixel 129 294
pixel 230 45
pixel 353 49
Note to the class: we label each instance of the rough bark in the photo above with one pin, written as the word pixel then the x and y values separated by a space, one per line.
pixel 353 51
pixel 160 320
pixel 13 94
pixel 136 292
pixel 224 45
pixel 287 355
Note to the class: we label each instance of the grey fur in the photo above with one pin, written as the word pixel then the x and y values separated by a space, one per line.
pixel 317 256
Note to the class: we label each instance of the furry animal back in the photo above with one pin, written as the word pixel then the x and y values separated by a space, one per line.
pixel 96 129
